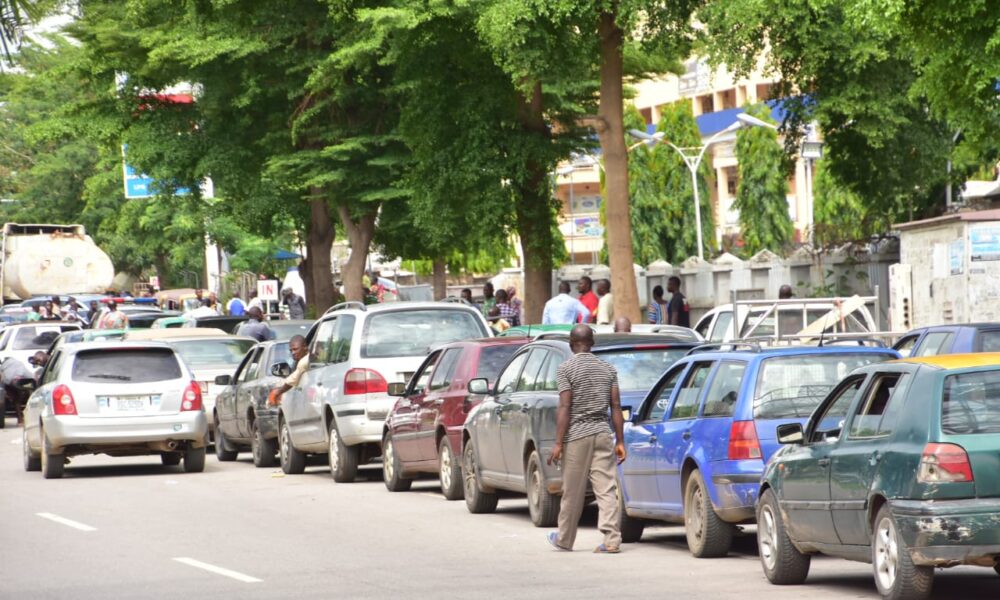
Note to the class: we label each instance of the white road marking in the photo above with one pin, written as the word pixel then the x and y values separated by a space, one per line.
pixel 15 441
pixel 66 522
pixel 217 570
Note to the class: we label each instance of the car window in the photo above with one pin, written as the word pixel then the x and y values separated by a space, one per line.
pixel 905 345
pixel 414 332
pixel 877 413
pixel 934 343
pixel 971 403
pixel 422 377
pixel 340 341
pixel 660 400
pixel 321 349
pixel 215 352
pixel 280 354
pixel 38 337
pixel 134 365
pixel 250 367
pixel 831 420
pixel 723 324
pixel 445 369
pixel 720 401
pixel 989 341
pixel 640 368
pixel 547 376
pixel 507 381
pixel 686 404
pixel 492 359
pixel 702 326
pixel 52 368
pixel 529 375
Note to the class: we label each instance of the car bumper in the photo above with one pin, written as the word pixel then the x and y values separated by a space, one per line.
pixel 734 489
pixel 64 431
pixel 950 532
pixel 362 422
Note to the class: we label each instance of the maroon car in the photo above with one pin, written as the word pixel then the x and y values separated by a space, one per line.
pixel 423 432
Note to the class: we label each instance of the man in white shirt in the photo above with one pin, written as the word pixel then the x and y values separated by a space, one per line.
pixel 564 309
pixel 606 306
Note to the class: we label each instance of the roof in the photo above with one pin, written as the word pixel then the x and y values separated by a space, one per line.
pixel 983 325
pixel 968 216
pixel 409 305
pixel 980 189
pixel 950 362
pixel 175 333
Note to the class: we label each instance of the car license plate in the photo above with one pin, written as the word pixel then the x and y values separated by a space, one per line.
pixel 130 403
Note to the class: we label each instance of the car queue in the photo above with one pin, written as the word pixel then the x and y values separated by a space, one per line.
pixel 840 449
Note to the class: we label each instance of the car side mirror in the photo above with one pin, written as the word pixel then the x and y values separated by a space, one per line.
pixel 790 433
pixel 397 389
pixel 27 385
pixel 223 380
pixel 281 370
pixel 478 386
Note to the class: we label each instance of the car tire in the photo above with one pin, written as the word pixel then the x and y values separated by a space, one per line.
pixel 782 562
pixel 476 500
pixel 630 527
pixel 293 462
pixel 708 536
pixel 449 472
pixel 896 577
pixel 53 464
pixel 264 450
pixel 3 411
pixel 392 472
pixel 32 460
pixel 223 450
pixel 343 459
pixel 170 459
pixel 194 459
pixel 543 506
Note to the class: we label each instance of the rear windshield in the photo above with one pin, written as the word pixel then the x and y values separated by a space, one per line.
pixel 416 332
pixel 641 369
pixel 218 352
pixel 139 365
pixel 36 338
pixel 971 403
pixel 493 358
pixel 793 386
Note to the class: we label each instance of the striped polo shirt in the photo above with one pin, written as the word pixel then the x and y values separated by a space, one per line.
pixel 590 379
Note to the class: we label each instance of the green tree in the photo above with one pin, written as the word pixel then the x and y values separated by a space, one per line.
pixel 761 196
pixel 840 215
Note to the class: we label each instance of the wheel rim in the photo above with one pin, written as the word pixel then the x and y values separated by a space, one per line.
pixel 285 443
pixel 445 466
pixel 534 486
pixel 334 455
pixel 886 553
pixel 388 468
pixel 695 522
pixel 470 473
pixel 767 537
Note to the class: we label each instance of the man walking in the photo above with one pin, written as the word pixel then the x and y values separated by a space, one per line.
pixel 588 390
pixel 255 326
pixel 235 307
pixel 588 297
pixel 489 300
pixel 296 304
pixel 564 309
pixel 606 305
pixel 678 311
pixel 657 311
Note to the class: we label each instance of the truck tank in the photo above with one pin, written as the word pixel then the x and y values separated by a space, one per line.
pixel 52 259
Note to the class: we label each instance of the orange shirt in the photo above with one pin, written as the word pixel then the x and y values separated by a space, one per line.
pixel 591 301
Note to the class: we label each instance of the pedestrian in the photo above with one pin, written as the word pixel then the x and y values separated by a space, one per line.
pixel 587 296
pixel 489 300
pixel 657 310
pixel 297 347
pixel 563 309
pixel 199 294
pixel 94 314
pixel 12 372
pixel 678 310
pixel 506 311
pixel 253 301
pixel 114 318
pixel 38 360
pixel 213 301
pixel 466 295
pixel 36 313
pixel 785 292
pixel 515 303
pixel 205 310
pixel 606 304
pixel 50 313
pixel 255 326
pixel 588 390
pixel 623 325
pixel 296 304
pixel 57 306
pixel 235 307
pixel 497 322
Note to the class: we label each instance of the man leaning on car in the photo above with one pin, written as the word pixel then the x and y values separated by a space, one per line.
pixel 297 347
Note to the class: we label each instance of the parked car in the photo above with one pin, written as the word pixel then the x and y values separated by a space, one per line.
pixel 115 398
pixel 698 446
pixel 950 339
pixel 226 323
pixel 78 336
pixel 897 467
pixel 145 319
pixel 340 405
pixel 507 437
pixel 777 318
pixel 423 432
pixel 169 322
pixel 244 418
pixel 285 329
pixel 21 340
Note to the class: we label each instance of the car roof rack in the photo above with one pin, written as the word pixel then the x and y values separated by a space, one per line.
pixel 733 347
pixel 344 305
pixel 865 341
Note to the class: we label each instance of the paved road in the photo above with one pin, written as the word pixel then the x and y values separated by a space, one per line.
pixel 130 528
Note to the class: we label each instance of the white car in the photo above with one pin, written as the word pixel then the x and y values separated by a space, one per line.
pixel 22 340
pixel 355 351
pixel 773 319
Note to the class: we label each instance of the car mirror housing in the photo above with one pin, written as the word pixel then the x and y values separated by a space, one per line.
pixel 790 433
pixel 223 380
pixel 397 389
pixel 281 370
pixel 479 386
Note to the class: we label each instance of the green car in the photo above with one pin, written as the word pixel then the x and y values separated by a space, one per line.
pixel 534 330
pixel 168 323
pixel 899 466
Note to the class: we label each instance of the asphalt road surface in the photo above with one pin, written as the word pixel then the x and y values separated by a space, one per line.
pixel 130 528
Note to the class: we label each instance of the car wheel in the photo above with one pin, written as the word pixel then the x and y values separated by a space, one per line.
pixel 194 459
pixel 708 536
pixel 3 411
pixel 630 527
pixel 392 473
pixel 542 505
pixel 343 459
pixel 896 577
pixel 293 462
pixel 449 472
pixel 476 500
pixel 263 449
pixel 783 563
pixel 223 450
pixel 52 465
pixel 32 460
pixel 170 459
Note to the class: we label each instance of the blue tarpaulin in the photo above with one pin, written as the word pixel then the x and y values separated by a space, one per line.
pixel 286 255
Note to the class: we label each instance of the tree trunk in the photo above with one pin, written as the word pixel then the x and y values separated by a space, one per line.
pixel 440 279
pixel 319 244
pixel 534 211
pixel 612 136
pixel 360 231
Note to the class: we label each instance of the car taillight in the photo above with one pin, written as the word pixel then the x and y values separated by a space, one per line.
pixel 743 442
pixel 944 463
pixel 364 381
pixel 62 401
pixel 191 400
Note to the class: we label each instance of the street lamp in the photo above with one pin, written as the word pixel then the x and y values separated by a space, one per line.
pixel 692 158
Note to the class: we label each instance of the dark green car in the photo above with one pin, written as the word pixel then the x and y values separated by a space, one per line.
pixel 899 467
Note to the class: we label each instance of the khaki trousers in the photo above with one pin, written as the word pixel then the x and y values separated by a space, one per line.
pixel 589 459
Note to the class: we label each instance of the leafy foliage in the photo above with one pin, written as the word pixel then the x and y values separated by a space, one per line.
pixel 761 196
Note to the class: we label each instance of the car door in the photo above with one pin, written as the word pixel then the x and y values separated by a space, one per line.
pixel 489 450
pixel 429 404
pixel 225 402
pixel 244 392
pixel 805 482
pixel 987 340
pixel 405 424
pixel 304 411
pixel 674 441
pixel 514 425
pixel 855 460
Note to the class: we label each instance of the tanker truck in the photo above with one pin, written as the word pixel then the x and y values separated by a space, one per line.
pixel 51 260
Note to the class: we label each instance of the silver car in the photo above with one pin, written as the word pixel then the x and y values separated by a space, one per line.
pixel 115 398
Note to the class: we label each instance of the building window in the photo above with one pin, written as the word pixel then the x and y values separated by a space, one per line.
pixel 728 99
pixel 647 115
pixel 763 91
pixel 707 104
pixel 732 181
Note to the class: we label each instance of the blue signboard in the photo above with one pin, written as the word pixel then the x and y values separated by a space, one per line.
pixel 139 185
pixel 984 242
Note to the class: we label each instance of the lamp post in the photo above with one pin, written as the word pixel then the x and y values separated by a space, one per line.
pixel 692 158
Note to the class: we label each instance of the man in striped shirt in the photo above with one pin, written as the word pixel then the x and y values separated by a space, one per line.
pixel 588 391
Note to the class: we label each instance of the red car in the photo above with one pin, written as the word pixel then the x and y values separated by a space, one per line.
pixel 423 432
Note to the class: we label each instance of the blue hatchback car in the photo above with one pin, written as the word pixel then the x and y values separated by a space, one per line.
pixel 950 339
pixel 698 444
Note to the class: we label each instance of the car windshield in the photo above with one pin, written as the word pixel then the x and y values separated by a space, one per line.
pixel 793 386
pixel 641 369
pixel 35 338
pixel 133 365
pixel 971 403
pixel 219 352
pixel 493 358
pixel 416 332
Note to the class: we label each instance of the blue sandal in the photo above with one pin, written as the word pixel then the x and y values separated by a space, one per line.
pixel 602 549
pixel 553 538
